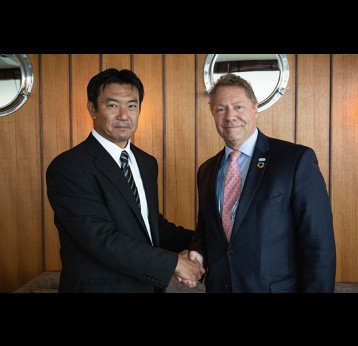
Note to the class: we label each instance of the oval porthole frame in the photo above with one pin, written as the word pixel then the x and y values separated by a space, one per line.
pixel 273 96
pixel 26 83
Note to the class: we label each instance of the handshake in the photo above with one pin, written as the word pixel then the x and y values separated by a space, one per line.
pixel 189 269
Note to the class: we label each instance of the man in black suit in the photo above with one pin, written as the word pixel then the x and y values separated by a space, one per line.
pixel 280 232
pixel 113 239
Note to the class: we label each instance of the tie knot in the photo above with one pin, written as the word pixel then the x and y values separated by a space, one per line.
pixel 235 154
pixel 124 157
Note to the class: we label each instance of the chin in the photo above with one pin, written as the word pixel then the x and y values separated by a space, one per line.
pixel 234 142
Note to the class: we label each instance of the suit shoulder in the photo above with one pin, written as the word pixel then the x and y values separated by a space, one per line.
pixel 212 161
pixel 290 148
pixel 71 154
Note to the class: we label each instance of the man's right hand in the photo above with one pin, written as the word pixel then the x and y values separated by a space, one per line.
pixel 190 268
pixel 189 271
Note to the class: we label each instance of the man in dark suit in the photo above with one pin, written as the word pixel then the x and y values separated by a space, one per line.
pixel 280 233
pixel 112 236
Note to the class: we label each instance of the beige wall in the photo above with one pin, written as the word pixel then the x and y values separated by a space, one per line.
pixel 320 109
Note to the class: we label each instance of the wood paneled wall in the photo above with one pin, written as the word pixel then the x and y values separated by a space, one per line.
pixel 344 163
pixel 320 109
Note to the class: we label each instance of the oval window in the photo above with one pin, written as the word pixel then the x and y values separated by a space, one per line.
pixel 267 73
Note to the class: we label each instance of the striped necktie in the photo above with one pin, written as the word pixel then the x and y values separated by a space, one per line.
pixel 128 175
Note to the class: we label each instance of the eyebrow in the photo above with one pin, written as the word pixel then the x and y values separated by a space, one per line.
pixel 225 105
pixel 108 99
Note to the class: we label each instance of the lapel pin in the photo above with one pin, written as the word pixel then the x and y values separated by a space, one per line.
pixel 261 162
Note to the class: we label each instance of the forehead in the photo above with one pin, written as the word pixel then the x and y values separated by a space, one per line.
pixel 119 90
pixel 230 91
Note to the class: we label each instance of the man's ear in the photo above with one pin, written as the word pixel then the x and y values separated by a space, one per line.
pixel 91 110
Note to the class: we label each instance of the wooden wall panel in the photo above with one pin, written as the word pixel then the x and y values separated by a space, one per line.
pixel 279 120
pixel 29 183
pixel 179 196
pixel 20 201
pixel 208 141
pixel 9 203
pixel 313 106
pixel 118 61
pixel 150 133
pixel 344 168
pixel 83 68
pixel 56 131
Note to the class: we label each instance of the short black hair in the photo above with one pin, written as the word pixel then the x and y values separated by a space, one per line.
pixel 110 76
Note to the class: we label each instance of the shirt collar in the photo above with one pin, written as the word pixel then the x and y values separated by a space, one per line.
pixel 247 147
pixel 114 150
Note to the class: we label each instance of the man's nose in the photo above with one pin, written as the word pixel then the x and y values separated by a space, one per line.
pixel 121 113
pixel 230 113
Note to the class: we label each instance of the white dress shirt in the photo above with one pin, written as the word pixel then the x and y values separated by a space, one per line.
pixel 115 151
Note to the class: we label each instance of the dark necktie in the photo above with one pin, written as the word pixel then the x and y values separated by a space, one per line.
pixel 128 175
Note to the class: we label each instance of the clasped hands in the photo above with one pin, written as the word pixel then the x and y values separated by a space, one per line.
pixel 189 269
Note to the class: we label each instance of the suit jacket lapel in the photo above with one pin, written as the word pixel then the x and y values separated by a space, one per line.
pixel 253 179
pixel 105 163
pixel 213 198
pixel 150 195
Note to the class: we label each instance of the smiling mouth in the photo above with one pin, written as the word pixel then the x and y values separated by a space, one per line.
pixel 233 127
pixel 120 127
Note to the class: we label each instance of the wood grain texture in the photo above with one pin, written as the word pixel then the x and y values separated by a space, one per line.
pixel 279 120
pixel 313 106
pixel 83 68
pixel 29 225
pixel 208 141
pixel 179 196
pixel 344 156
pixel 56 132
pixel 20 201
pixel 118 61
pixel 150 133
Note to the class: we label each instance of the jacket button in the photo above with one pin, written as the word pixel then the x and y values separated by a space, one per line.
pixel 230 252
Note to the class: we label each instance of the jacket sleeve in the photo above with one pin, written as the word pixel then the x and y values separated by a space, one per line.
pixel 314 224
pixel 173 237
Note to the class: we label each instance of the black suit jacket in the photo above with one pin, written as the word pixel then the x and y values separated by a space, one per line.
pixel 104 243
pixel 283 239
